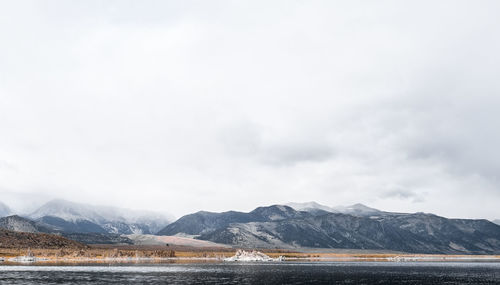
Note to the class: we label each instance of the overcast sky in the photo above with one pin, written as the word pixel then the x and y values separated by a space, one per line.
pixel 229 105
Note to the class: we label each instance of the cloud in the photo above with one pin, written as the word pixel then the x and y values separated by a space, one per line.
pixel 404 195
pixel 139 105
pixel 248 139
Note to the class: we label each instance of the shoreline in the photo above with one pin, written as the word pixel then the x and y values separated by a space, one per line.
pixel 189 257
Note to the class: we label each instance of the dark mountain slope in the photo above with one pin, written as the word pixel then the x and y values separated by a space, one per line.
pixel 418 233
pixel 11 239
pixel 20 224
pixel 78 226
pixel 205 222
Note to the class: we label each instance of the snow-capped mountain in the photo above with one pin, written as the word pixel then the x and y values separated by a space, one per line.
pixel 203 222
pixel 311 206
pixel 416 233
pixel 4 210
pixel 69 216
pixel 360 227
pixel 19 224
pixel 355 210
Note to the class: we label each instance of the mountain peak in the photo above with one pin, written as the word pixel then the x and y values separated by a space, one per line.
pixel 69 211
pixel 110 219
pixel 18 224
pixel 275 212
pixel 360 206
pixel 357 209
pixel 309 206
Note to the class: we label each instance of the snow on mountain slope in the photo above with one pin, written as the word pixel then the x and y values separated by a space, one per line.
pixel 111 219
pixel 416 233
pixel 20 224
pixel 355 210
pixel 68 211
pixel 309 206
pixel 203 222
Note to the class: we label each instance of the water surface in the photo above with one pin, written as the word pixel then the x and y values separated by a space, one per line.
pixel 257 273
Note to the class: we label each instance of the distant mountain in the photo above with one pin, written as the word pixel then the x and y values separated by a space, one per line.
pixel 363 228
pixel 206 222
pixel 312 207
pixel 20 224
pixel 417 233
pixel 73 217
pixel 358 210
pixel 76 226
pixel 11 239
pixel 355 210
pixel 4 210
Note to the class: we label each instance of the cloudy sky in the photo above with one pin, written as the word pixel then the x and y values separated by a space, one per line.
pixel 179 106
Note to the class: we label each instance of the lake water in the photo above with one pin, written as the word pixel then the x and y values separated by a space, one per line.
pixel 255 273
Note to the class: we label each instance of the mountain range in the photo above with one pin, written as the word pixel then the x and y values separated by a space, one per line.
pixel 291 226
pixel 70 217
pixel 352 227
pixel 19 224
pixel 16 223
pixel 355 210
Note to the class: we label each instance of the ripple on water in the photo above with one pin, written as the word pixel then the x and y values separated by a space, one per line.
pixel 256 273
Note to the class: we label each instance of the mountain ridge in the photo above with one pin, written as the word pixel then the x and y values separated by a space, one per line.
pixel 202 221
pixel 362 228
pixel 75 217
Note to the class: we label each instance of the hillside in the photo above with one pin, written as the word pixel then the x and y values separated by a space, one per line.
pixel 20 224
pixel 206 222
pixel 11 239
pixel 365 228
pixel 70 217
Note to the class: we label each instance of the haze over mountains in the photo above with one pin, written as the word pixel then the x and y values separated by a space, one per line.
pixel 70 217
pixel 295 225
pixel 73 217
pixel 356 209
pixel 4 210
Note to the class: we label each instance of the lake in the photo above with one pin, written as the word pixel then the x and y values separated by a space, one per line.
pixel 257 273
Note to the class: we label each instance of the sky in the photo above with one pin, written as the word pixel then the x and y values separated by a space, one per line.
pixel 181 106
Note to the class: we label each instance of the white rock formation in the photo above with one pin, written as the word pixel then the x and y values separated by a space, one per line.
pixel 247 256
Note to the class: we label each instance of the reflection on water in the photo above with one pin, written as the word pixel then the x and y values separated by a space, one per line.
pixel 255 273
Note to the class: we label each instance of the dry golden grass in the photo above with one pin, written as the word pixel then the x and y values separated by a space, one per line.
pixel 161 252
